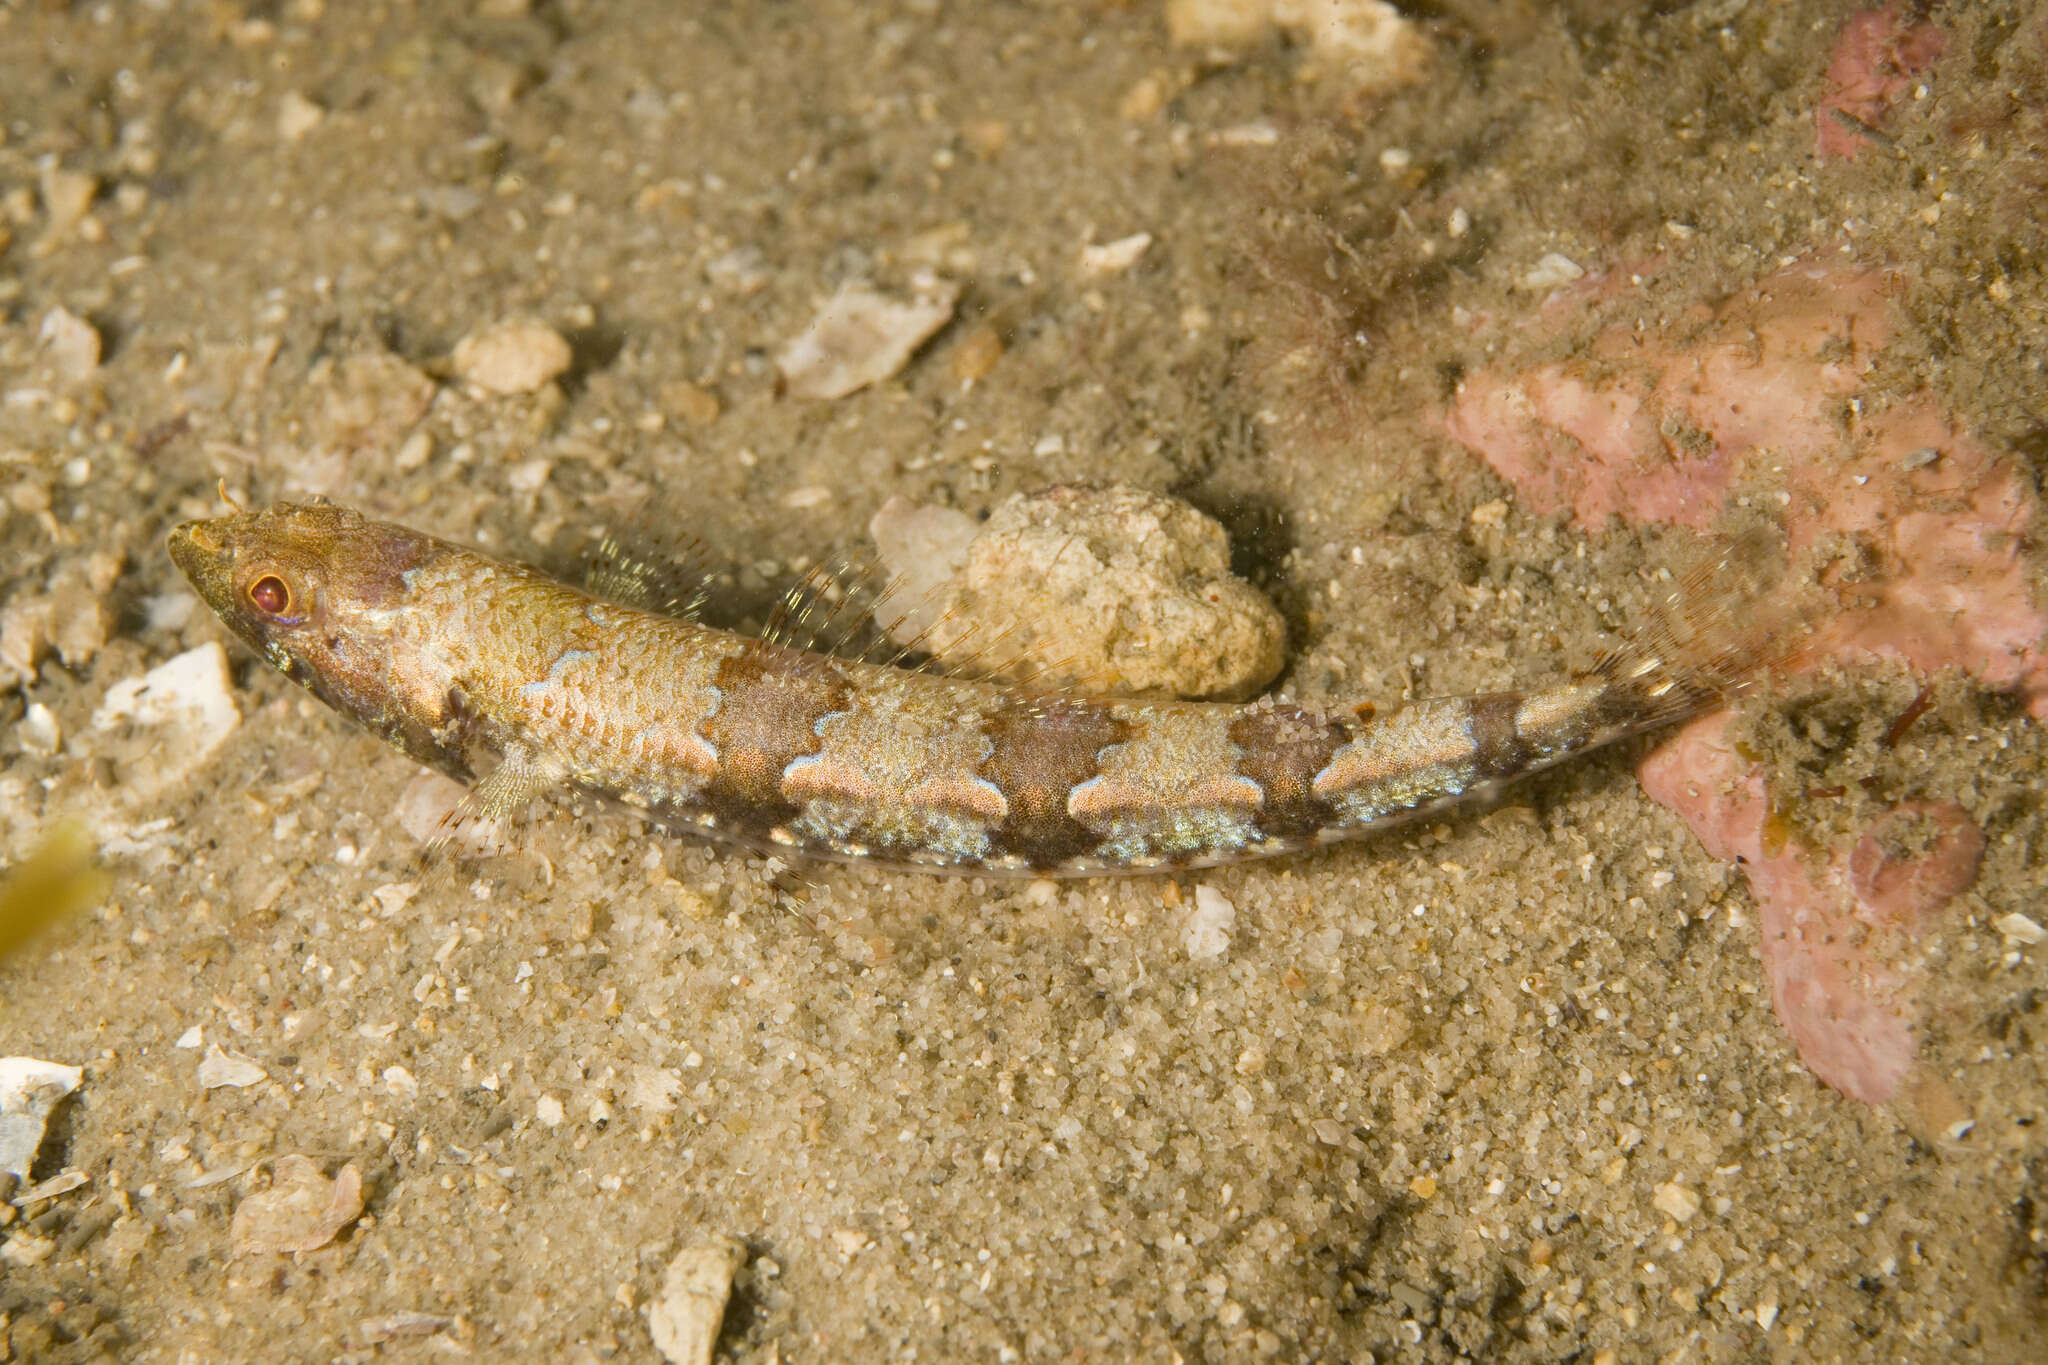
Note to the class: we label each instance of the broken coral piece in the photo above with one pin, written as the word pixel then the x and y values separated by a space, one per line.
pixel 1876 56
pixel 1364 46
pixel 1839 930
pixel 30 1091
pixel 861 337
pixel 1116 590
pixel 302 1210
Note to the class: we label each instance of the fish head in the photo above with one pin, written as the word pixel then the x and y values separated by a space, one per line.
pixel 321 592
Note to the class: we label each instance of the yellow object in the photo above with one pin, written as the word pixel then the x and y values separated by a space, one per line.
pixel 56 881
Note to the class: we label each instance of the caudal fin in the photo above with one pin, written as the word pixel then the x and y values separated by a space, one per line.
pixel 1731 621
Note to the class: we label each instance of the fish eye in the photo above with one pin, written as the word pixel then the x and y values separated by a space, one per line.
pixel 271 595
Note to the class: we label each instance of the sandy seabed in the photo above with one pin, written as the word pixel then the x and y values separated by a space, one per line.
pixel 1508 1086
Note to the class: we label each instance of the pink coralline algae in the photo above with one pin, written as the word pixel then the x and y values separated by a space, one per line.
pixel 1876 57
pixel 1921 528
pixel 1838 930
pixel 1913 529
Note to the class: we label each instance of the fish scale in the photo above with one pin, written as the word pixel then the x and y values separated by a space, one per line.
pixel 471 664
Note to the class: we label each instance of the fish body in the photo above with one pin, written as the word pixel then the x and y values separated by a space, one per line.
pixel 460 659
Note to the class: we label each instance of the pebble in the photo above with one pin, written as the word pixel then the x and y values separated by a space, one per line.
pixel 697 406
pixel 424 811
pixel 369 400
pixel 67 198
pixel 30 1091
pixel 1676 1200
pixel 1553 269
pixel 39 732
pixel 1112 258
pixel 23 626
pixel 187 704
pixel 1209 925
pixel 302 1210
pixel 976 355
pixel 297 116
pixel 861 337
pixel 741 272
pixel 71 343
pixel 78 607
pixel 25 1249
pixel 512 357
pixel 1142 101
pixel 685 1317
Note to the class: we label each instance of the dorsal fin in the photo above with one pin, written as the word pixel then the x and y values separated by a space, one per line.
pixel 827 610
pixel 677 583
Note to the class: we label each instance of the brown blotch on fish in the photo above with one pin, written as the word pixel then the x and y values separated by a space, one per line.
pixel 771 699
pixel 1042 749
pixel 1284 747
pixel 1498 749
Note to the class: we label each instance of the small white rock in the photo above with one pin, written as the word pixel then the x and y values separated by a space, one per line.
pixel 1112 258
pixel 741 272
pixel 192 691
pixel 191 1038
pixel 653 1089
pixel 512 357
pixel 67 198
pixel 220 1067
pixel 2020 929
pixel 1552 270
pixel 25 1249
pixel 684 1318
pixel 1364 46
pixel 302 1210
pixel 39 732
pixel 925 549
pixel 548 1109
pixel 297 116
pixel 1676 1200
pixel 861 337
pixel 1257 133
pixel 1208 928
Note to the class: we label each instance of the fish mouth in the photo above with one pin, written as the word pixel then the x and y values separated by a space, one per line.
pixel 199 552
pixel 195 537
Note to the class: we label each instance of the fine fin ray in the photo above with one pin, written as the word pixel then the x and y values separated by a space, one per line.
pixel 677 585
pixel 502 793
pixel 1729 622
